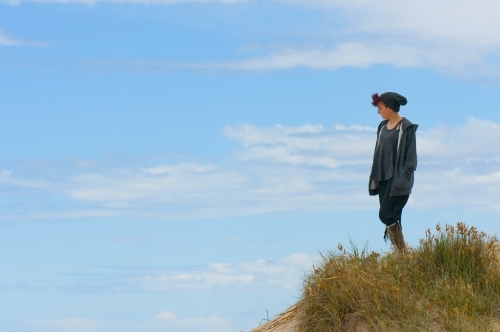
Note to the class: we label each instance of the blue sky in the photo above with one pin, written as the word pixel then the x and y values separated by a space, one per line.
pixel 179 165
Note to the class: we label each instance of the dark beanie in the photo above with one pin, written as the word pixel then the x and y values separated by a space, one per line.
pixel 390 99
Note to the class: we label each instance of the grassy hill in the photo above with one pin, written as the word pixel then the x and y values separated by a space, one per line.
pixel 450 282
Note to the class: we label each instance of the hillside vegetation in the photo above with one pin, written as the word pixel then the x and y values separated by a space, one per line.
pixel 450 282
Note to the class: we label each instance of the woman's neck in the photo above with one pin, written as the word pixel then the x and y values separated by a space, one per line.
pixel 393 120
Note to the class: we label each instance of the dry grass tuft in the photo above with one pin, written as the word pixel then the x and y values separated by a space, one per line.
pixel 450 282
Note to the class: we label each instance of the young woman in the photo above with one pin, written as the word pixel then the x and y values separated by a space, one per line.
pixel 394 161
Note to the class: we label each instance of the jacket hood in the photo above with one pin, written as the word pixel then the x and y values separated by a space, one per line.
pixel 407 123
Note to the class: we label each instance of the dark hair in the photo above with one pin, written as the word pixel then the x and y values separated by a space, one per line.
pixel 376 99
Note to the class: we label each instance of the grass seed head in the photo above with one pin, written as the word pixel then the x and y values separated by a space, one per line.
pixel 451 282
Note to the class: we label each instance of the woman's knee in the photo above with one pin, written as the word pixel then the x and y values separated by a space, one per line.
pixel 386 217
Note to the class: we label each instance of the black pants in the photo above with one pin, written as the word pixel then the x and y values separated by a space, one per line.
pixel 391 207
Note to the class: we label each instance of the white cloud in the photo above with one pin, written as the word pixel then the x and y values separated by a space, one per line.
pixel 189 281
pixel 460 22
pixel 304 145
pixel 475 139
pixel 308 168
pixel 264 273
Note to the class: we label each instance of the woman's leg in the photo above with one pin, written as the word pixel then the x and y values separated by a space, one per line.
pixel 391 209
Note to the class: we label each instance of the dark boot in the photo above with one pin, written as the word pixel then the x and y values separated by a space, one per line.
pixel 395 233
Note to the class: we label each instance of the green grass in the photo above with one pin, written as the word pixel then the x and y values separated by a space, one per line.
pixel 450 282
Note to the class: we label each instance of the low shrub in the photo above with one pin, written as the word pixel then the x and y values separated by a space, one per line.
pixel 450 282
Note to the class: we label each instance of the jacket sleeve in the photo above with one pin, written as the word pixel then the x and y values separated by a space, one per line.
pixel 410 162
pixel 372 184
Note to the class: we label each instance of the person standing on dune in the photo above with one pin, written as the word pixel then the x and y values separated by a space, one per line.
pixel 394 162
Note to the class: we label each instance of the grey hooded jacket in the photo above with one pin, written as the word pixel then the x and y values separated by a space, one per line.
pixel 406 160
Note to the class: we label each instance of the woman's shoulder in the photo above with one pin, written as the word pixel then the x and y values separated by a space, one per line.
pixel 407 124
pixel 381 124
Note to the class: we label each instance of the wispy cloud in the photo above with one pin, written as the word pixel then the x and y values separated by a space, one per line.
pixel 458 38
pixel 167 321
pixel 5 40
pixel 145 2
pixel 450 59
pixel 6 178
pixel 263 274
pixel 309 168
pixel 163 321
pixel 70 325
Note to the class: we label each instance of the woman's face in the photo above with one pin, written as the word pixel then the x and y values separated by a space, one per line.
pixel 384 111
